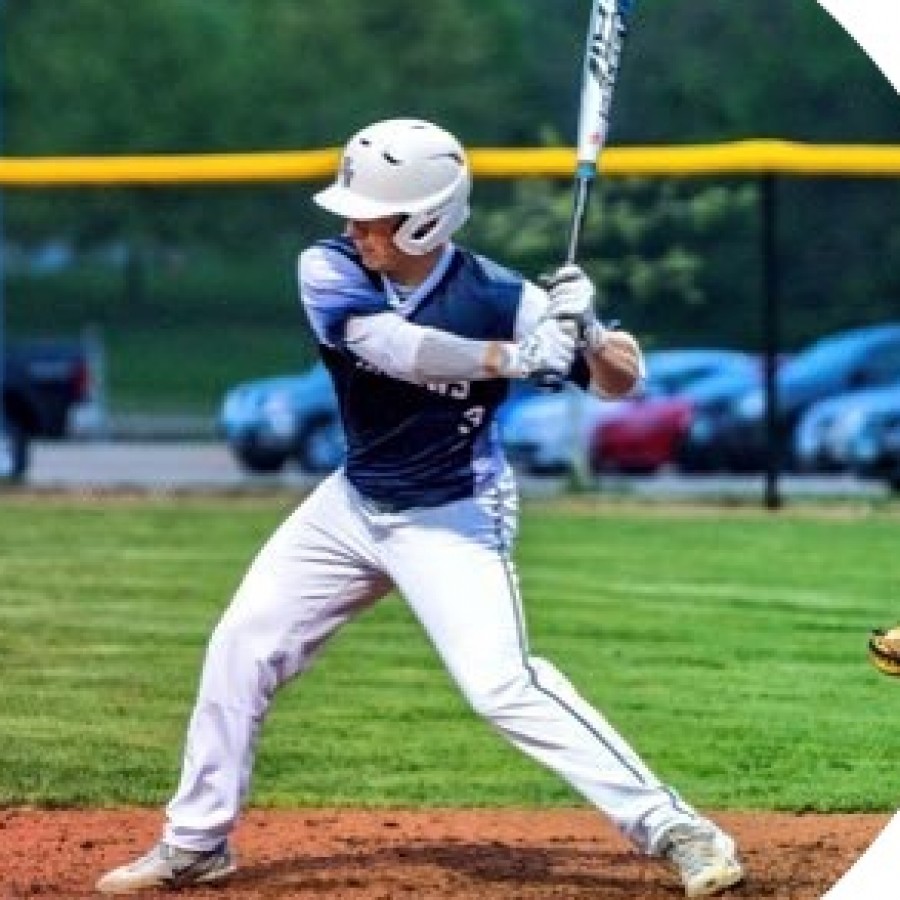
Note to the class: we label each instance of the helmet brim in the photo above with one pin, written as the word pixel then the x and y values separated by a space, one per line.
pixel 345 203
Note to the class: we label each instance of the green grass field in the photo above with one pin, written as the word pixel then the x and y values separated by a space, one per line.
pixel 728 645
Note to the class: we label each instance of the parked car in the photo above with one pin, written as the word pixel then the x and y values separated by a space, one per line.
pixel 877 452
pixel 50 392
pixel 290 418
pixel 542 432
pixel 546 433
pixel 270 423
pixel 647 435
pixel 670 371
pixel 849 360
pixel 294 419
pixel 871 438
pixel 826 431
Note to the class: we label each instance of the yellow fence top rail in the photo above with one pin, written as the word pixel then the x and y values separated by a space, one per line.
pixel 748 157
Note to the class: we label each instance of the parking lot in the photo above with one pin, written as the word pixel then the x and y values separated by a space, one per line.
pixel 208 465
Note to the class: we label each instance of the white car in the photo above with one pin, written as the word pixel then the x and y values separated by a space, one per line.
pixel 827 433
pixel 542 434
pixel 873 443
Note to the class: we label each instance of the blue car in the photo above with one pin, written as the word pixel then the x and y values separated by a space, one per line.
pixel 294 419
pixel 849 360
pixel 287 419
pixel 829 430
pixel 669 372
pixel 870 437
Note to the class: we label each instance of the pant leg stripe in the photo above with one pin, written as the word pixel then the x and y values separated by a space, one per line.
pixel 515 597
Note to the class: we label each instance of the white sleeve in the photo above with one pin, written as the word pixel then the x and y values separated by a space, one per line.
pixel 421 354
pixel 386 341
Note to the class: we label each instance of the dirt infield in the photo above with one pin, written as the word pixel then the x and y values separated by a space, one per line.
pixel 448 854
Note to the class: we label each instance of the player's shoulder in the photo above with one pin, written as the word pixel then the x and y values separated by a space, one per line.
pixel 332 262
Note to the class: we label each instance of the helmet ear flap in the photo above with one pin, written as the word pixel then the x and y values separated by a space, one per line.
pixel 422 232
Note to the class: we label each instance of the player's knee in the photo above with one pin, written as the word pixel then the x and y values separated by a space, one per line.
pixel 494 697
pixel 252 670
pixel 227 648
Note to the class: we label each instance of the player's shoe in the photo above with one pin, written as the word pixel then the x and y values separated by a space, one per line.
pixel 705 857
pixel 168 866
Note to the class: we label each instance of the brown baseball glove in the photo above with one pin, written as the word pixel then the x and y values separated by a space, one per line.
pixel 884 650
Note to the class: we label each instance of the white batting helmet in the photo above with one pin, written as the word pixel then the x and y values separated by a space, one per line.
pixel 405 167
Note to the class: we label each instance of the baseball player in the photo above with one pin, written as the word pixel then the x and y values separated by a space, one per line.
pixel 422 338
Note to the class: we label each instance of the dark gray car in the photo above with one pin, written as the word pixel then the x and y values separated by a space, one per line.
pixel 849 360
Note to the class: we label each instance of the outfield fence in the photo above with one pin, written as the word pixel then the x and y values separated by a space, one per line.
pixel 748 157
pixel 769 162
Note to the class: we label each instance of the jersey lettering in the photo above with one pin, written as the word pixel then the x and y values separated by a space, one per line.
pixel 458 390
pixel 367 366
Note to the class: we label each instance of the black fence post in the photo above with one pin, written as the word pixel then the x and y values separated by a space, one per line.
pixel 6 463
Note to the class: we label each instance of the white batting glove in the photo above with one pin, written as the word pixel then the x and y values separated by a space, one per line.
pixel 550 348
pixel 571 294
pixel 570 291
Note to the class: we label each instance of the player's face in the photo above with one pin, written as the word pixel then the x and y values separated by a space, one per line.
pixel 374 240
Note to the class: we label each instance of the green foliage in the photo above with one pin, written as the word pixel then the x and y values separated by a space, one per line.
pixel 677 261
pixel 713 71
pixel 191 76
pixel 726 645
pixel 656 284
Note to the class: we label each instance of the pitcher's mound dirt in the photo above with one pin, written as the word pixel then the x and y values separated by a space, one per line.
pixel 418 855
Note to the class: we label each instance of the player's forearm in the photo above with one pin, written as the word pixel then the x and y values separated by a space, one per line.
pixel 440 351
pixel 421 354
pixel 614 360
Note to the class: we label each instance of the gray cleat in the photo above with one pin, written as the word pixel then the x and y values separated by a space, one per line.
pixel 168 866
pixel 705 858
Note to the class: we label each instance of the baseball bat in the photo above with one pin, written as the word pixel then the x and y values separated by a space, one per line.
pixel 606 31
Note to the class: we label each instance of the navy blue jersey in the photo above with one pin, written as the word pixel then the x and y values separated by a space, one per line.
pixel 411 445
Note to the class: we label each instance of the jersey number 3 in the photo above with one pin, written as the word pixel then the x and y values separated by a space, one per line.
pixel 471 419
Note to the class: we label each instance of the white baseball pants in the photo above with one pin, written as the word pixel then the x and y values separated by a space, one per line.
pixel 335 556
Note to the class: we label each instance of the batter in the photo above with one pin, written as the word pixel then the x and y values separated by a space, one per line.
pixel 422 338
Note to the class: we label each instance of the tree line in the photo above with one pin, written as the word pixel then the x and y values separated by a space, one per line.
pixel 678 256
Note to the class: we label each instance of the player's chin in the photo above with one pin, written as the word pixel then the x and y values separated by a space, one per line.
pixel 372 260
